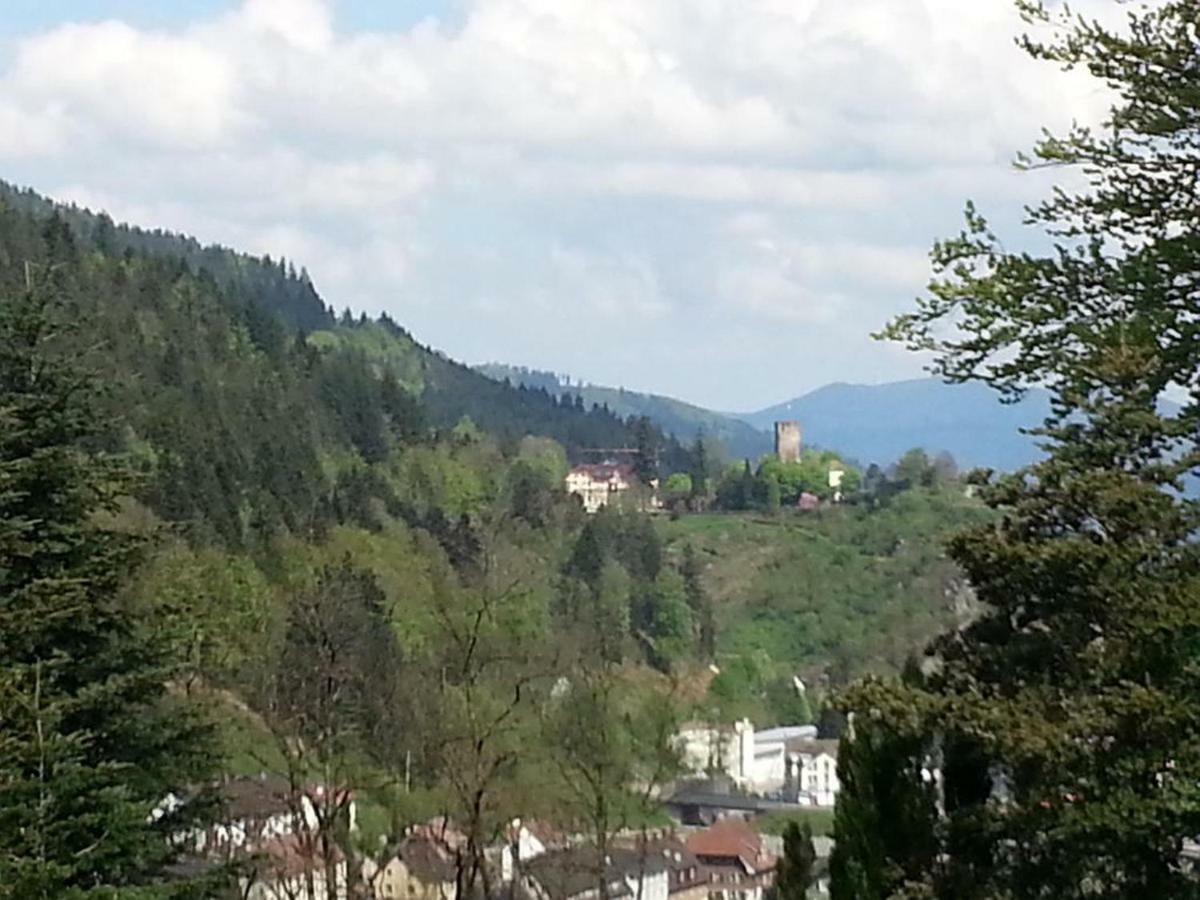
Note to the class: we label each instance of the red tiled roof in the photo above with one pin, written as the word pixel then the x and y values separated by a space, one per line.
pixel 731 839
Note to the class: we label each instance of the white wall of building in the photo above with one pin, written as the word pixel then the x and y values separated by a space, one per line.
pixel 755 761
pixel 655 885
pixel 816 778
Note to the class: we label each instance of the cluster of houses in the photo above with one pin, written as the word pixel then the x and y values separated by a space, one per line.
pixel 273 833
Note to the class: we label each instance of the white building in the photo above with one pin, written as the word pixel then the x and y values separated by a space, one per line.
pixel 756 761
pixel 258 810
pixel 836 475
pixel 599 484
pixel 812 772
pixel 525 841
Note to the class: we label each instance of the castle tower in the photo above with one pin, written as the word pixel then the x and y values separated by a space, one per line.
pixel 787 441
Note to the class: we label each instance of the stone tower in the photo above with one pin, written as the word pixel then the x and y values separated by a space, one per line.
pixel 787 441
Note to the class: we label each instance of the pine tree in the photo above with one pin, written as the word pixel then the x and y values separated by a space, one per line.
pixel 1071 701
pixel 698 458
pixel 91 744
pixel 794 872
pixel 883 828
pixel 699 603
pixel 647 442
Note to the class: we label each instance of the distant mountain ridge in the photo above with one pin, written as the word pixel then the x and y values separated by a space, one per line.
pixel 683 420
pixel 869 423
pixel 879 422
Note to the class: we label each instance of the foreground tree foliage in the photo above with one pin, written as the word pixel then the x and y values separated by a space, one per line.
pixel 91 742
pixel 884 822
pixel 794 873
pixel 1066 718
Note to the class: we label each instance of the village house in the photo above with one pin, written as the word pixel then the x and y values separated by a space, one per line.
pixel 598 484
pixel 733 860
pixel 525 841
pixel 756 761
pixel 420 869
pixel 685 878
pixel 812 772
pixel 255 810
pixel 273 830
pixel 575 873
pixel 290 868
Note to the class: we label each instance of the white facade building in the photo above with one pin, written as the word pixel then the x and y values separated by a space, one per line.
pixel 523 844
pixel 599 484
pixel 812 772
pixel 756 761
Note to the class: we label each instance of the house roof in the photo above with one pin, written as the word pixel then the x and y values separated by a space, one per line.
pixel 786 733
pixel 266 795
pixel 543 831
pixel 563 874
pixel 252 798
pixel 730 839
pixel 604 471
pixel 440 830
pixel 677 858
pixel 812 746
pixel 429 861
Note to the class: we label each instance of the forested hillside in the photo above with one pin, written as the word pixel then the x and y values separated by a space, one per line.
pixel 320 502
pixel 258 436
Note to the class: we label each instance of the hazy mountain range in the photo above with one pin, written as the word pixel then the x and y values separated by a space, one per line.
pixel 868 423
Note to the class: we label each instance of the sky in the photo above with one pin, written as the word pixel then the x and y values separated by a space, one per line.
pixel 717 200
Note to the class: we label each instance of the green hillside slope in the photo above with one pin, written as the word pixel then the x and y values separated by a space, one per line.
pixel 827 595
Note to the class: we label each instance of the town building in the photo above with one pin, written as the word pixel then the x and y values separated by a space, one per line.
pixel 686 879
pixel 255 810
pixel 575 873
pixel 837 475
pixel 271 828
pixel 756 761
pixel 733 860
pixel 811 776
pixel 292 868
pixel 599 484
pixel 421 868
pixel 526 840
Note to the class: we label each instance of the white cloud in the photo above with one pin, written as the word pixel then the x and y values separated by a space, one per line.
pixel 304 24
pixel 794 159
pixel 108 77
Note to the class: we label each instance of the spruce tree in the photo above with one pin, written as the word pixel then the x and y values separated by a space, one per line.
pixel 794 872
pixel 883 828
pixel 1071 702
pixel 91 743
pixel 699 603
